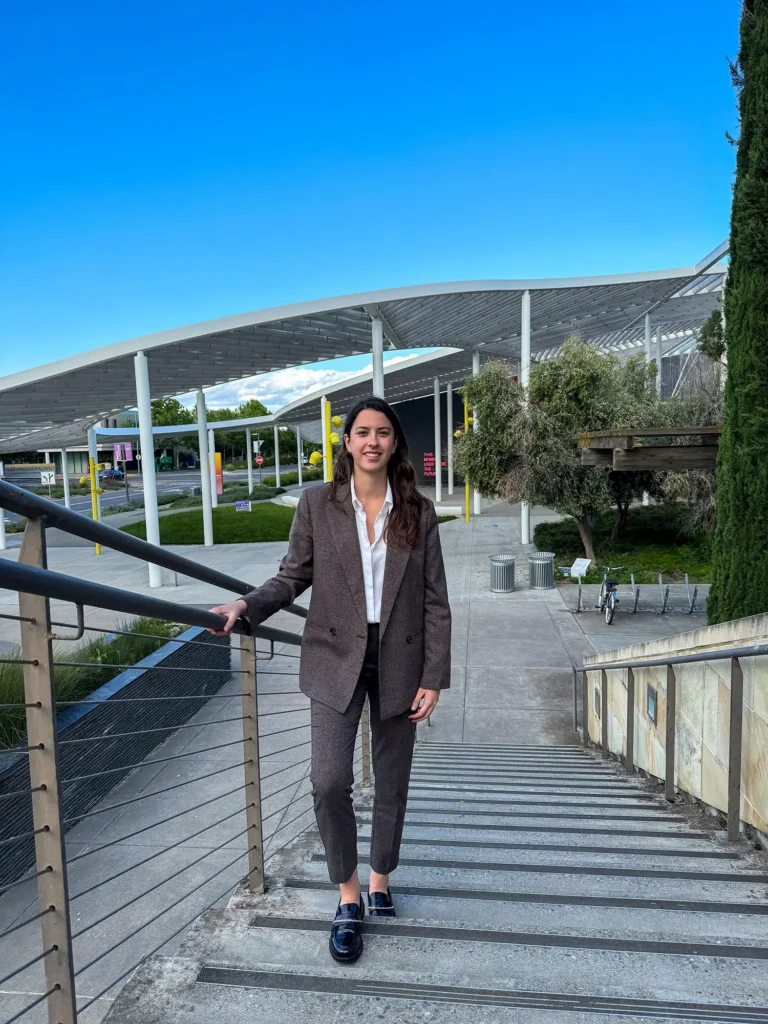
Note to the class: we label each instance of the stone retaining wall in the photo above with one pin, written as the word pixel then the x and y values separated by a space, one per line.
pixel 703 714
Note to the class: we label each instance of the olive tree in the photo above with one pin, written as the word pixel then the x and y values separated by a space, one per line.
pixel 525 448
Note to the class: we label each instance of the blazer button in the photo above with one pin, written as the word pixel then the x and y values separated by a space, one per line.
pixel 333 631
pixel 409 639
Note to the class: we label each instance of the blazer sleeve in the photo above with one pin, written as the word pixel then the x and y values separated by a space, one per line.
pixel 294 575
pixel 436 674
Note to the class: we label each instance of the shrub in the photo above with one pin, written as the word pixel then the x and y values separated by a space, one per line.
pixel 76 683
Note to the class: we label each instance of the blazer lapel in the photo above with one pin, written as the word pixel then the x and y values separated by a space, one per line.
pixel 341 519
pixel 394 567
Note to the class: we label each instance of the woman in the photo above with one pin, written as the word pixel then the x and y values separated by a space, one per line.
pixel 379 624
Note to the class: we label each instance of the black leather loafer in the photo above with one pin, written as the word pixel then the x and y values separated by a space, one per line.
pixel 346 940
pixel 380 904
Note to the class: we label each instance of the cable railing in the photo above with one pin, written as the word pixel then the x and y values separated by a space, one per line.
pixel 599 708
pixel 129 812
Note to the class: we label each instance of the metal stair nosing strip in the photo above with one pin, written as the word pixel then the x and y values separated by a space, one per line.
pixel 575 1002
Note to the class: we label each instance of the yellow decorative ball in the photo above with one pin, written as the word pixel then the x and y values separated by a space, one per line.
pixel 458 433
pixel 337 421
pixel 334 437
pixel 314 458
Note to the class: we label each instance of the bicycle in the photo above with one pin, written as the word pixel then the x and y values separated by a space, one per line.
pixel 609 596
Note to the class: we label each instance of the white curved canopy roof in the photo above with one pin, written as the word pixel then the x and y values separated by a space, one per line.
pixel 608 311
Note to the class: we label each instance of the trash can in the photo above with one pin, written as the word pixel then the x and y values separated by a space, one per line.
pixel 541 570
pixel 502 573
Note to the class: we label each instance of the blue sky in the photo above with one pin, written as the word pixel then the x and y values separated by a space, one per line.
pixel 169 163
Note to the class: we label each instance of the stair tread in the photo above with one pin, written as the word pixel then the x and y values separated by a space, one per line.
pixel 224 940
pixel 163 990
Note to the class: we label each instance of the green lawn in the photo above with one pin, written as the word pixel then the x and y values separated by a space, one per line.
pixel 264 522
pixel 654 542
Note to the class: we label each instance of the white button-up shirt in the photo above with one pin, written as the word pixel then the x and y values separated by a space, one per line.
pixel 374 555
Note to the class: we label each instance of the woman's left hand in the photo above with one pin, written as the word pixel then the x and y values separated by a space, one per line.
pixel 430 699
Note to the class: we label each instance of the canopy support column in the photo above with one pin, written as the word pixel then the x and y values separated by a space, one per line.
pixel 377 348
pixel 438 446
pixel 475 492
pixel 65 476
pixel 212 467
pixel 324 438
pixel 149 483
pixel 277 455
pixel 449 433
pixel 205 476
pixel 525 376
pixel 298 454
pixel 658 361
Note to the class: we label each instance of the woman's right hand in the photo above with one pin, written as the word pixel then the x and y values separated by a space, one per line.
pixel 233 611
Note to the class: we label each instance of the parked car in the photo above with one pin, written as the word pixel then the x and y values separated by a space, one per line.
pixel 115 473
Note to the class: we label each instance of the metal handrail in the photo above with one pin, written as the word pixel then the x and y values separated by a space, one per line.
pixel 721 654
pixel 30 579
pixel 34 506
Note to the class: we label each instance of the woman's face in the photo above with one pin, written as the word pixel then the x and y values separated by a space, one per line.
pixel 371 442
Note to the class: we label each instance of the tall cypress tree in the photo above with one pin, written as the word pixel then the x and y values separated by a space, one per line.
pixel 740 557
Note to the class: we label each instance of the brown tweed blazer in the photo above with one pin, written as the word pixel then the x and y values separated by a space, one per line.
pixel 415 627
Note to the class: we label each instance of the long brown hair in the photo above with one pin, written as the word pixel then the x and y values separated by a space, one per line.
pixel 407 504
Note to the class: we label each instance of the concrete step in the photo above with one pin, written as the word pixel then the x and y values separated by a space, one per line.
pixel 446 957
pixel 506 825
pixel 612 926
pixel 511 795
pixel 584 879
pixel 175 990
pixel 663 844
pixel 472 813
pixel 538 853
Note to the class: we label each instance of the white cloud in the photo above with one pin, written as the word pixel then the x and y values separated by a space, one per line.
pixel 276 389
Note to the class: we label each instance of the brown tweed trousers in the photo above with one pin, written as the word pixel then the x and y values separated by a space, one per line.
pixel 343 658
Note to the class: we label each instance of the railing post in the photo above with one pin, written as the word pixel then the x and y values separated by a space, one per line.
pixel 630 720
pixel 575 700
pixel 365 738
pixel 50 854
pixel 669 766
pixel 734 750
pixel 585 708
pixel 252 790
pixel 604 711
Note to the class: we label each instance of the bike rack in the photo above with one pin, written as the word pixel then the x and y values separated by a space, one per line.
pixel 691 600
pixel 635 594
pixel 664 595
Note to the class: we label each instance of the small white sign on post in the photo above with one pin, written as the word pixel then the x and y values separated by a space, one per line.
pixel 48 476
pixel 242 506
pixel 257 446
pixel 580 567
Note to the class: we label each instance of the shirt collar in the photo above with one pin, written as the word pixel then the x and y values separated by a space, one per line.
pixel 388 502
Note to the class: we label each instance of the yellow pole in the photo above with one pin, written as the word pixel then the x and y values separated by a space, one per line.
pixel 94 496
pixel 466 481
pixel 328 443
